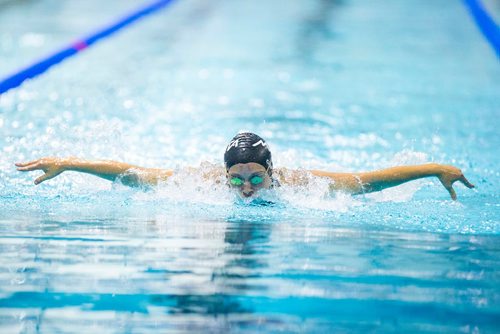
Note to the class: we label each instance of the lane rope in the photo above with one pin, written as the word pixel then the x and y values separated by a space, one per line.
pixel 486 24
pixel 40 66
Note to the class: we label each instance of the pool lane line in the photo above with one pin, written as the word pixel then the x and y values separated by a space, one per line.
pixel 486 24
pixel 42 65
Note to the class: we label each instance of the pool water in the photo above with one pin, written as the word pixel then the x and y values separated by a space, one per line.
pixel 333 85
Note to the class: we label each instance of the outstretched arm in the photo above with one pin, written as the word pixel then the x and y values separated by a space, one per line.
pixel 129 175
pixel 357 183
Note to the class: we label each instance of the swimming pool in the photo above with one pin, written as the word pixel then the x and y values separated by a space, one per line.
pixel 336 85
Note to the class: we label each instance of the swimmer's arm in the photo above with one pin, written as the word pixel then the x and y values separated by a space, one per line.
pixel 358 183
pixel 128 174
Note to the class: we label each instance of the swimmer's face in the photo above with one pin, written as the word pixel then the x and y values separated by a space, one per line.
pixel 248 178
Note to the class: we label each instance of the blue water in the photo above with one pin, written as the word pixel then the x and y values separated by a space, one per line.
pixel 334 85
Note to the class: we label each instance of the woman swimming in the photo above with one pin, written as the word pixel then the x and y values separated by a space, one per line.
pixel 248 169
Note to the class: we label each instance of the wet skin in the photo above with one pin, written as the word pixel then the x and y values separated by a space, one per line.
pixel 246 172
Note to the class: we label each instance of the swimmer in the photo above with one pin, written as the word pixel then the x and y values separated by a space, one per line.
pixel 248 169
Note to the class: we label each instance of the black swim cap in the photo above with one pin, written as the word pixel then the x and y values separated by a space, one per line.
pixel 248 147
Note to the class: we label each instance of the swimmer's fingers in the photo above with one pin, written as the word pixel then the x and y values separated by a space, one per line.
pixel 44 164
pixel 448 175
pixel 25 164
pixel 449 186
pixel 28 168
pixel 452 192
pixel 51 166
pixel 47 176
pixel 466 182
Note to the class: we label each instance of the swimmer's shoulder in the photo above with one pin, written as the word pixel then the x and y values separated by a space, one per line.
pixel 294 177
pixel 211 171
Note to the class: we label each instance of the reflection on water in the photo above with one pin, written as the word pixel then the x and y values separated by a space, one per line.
pixel 244 253
pixel 214 275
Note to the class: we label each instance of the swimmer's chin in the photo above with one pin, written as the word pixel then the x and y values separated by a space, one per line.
pixel 260 198
pixel 254 201
pixel 247 199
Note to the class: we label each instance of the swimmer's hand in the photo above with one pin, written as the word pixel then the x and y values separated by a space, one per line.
pixel 449 175
pixel 50 166
pixel 129 175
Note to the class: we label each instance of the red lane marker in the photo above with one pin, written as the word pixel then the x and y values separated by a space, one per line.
pixel 80 45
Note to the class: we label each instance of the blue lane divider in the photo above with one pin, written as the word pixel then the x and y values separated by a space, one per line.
pixel 44 64
pixel 486 24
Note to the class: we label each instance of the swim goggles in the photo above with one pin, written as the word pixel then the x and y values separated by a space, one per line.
pixel 238 182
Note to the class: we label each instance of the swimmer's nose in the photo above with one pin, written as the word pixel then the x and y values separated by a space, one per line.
pixel 247 190
pixel 247 194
